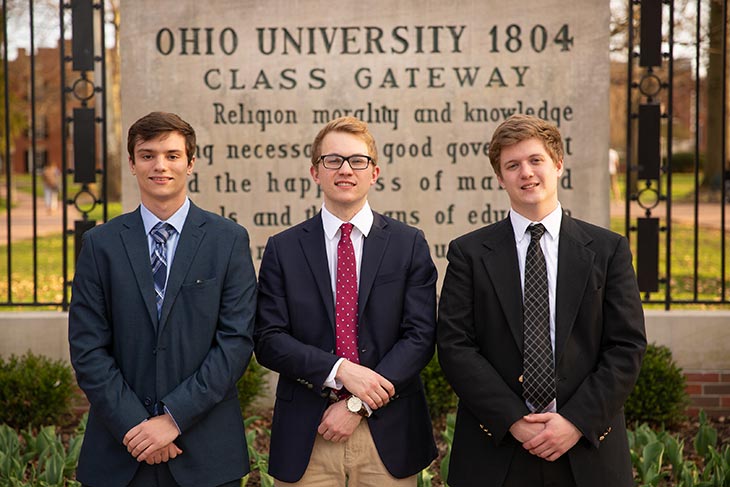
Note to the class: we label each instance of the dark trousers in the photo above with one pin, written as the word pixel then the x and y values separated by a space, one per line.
pixel 160 476
pixel 527 469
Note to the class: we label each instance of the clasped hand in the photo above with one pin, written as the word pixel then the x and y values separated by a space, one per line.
pixel 151 441
pixel 365 383
pixel 547 435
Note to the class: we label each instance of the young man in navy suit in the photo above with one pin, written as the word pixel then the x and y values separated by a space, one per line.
pixel 346 315
pixel 540 332
pixel 160 328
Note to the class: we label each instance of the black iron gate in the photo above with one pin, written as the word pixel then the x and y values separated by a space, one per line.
pixel 70 100
pixel 678 261
pixel 54 100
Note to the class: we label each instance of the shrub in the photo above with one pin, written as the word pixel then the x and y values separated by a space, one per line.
pixel 439 394
pixel 252 385
pixel 34 390
pixel 685 162
pixel 659 396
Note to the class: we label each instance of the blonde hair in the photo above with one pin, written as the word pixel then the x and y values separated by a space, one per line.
pixel 348 125
pixel 522 127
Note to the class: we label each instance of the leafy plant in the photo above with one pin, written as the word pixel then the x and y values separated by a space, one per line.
pixel 42 460
pixel 440 397
pixel 659 397
pixel 658 456
pixel 259 461
pixel 252 385
pixel 35 390
pixel 706 436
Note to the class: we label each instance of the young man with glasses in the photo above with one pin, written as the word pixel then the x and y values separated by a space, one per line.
pixel 346 315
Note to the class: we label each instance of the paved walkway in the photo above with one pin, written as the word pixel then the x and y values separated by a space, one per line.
pixel 47 224
pixel 709 215
pixel 22 219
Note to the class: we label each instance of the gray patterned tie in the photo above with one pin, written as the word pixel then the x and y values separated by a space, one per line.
pixel 538 387
pixel 160 233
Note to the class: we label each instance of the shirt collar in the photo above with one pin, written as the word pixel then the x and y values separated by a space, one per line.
pixel 551 223
pixel 177 220
pixel 363 221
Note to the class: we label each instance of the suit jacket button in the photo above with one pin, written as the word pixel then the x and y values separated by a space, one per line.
pixel 601 438
pixel 147 401
pixel 520 379
pixel 309 386
pixel 609 429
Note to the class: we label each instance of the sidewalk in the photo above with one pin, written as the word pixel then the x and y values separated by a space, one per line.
pixel 22 216
pixel 22 219
pixel 709 215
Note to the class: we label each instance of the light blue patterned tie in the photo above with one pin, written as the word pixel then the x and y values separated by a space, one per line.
pixel 160 233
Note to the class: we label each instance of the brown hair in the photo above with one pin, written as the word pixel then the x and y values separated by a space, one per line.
pixel 522 127
pixel 155 124
pixel 348 125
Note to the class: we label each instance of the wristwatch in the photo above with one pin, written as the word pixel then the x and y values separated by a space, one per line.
pixel 356 406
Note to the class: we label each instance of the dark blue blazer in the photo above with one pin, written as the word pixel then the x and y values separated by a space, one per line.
pixel 599 343
pixel 295 336
pixel 127 361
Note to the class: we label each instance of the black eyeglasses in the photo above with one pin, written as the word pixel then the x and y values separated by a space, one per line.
pixel 357 162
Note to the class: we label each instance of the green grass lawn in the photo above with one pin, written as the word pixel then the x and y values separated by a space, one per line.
pixel 49 251
pixel 683 186
pixel 682 263
pixel 49 263
pixel 50 282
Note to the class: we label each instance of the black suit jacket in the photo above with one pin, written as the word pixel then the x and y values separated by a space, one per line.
pixel 599 343
pixel 127 361
pixel 295 336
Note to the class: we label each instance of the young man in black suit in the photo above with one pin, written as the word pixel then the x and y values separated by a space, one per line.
pixel 540 332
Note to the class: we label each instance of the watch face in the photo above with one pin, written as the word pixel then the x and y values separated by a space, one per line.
pixel 354 404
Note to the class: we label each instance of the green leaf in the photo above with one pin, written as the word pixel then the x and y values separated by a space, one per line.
pixel 651 463
pixel 674 450
pixel 706 436
pixel 52 469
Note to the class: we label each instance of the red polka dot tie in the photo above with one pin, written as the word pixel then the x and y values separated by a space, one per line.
pixel 346 299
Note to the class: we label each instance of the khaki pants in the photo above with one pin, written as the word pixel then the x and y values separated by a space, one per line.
pixel 354 463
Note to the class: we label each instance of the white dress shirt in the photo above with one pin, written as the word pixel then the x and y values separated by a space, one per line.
pixel 362 223
pixel 549 245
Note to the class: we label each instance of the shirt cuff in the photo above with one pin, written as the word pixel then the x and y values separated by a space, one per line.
pixel 331 381
pixel 167 411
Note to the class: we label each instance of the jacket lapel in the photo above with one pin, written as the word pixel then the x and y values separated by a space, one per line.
pixel 372 254
pixel 187 246
pixel 501 263
pixel 135 243
pixel 315 253
pixel 575 261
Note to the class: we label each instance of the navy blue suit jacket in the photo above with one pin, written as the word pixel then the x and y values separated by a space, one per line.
pixel 599 343
pixel 127 361
pixel 295 336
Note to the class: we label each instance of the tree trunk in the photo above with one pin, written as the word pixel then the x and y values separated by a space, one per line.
pixel 117 158
pixel 712 178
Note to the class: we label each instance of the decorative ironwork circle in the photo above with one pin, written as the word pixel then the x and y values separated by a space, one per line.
pixel 85 201
pixel 83 89
pixel 650 85
pixel 648 198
